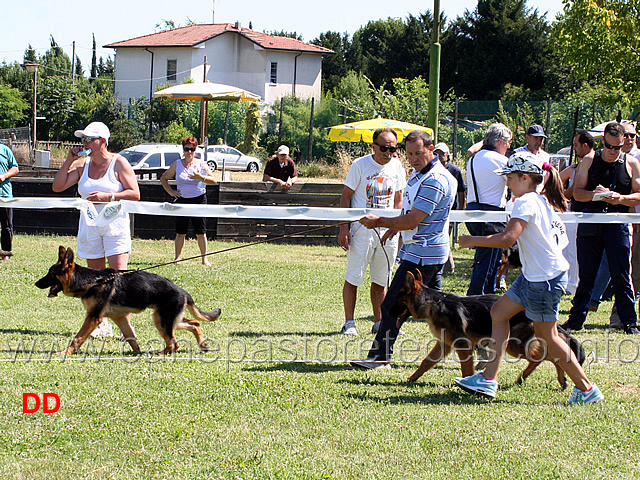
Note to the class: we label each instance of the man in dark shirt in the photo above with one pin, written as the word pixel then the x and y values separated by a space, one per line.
pixel 281 170
pixel 608 183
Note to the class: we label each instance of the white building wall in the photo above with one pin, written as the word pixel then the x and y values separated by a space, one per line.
pixel 231 59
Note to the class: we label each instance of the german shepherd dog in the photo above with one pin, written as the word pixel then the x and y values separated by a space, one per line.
pixel 459 323
pixel 116 293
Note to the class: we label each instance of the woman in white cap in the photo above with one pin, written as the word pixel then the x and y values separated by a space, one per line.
pixel 537 291
pixel 102 177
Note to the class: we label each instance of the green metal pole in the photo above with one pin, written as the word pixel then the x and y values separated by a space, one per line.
pixel 434 73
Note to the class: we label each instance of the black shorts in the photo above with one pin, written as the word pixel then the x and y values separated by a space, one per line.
pixel 199 224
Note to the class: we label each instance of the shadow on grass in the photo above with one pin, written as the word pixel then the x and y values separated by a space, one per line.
pixel 25 331
pixel 247 334
pixel 300 367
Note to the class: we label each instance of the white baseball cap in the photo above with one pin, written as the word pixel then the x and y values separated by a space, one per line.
pixel 94 129
pixel 283 150
pixel 524 162
pixel 442 147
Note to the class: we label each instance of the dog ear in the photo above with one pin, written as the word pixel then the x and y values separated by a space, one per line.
pixel 68 258
pixel 409 283
pixel 61 252
pixel 419 279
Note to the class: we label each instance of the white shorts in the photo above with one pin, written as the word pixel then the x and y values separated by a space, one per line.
pixel 101 242
pixel 365 250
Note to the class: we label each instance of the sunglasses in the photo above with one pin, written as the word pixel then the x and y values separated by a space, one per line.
pixel 608 146
pixel 384 148
pixel 89 139
pixel 189 149
pixel 630 135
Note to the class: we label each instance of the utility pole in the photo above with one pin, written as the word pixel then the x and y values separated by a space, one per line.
pixel 434 73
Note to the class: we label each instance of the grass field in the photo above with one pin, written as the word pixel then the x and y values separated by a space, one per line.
pixel 276 398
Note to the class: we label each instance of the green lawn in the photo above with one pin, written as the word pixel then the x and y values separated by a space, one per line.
pixel 276 398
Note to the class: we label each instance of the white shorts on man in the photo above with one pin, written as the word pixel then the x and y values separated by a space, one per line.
pixel 365 251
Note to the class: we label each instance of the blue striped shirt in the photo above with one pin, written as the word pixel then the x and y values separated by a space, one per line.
pixel 435 197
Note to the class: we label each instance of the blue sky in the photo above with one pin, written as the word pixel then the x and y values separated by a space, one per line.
pixel 32 22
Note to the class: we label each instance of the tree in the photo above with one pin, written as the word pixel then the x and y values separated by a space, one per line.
pixel 334 67
pixel 55 102
pixel 94 62
pixel 600 44
pixel 282 33
pixel 55 61
pixel 501 42
pixel 253 125
pixel 12 113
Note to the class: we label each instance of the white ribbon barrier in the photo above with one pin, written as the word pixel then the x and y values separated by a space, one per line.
pixel 115 209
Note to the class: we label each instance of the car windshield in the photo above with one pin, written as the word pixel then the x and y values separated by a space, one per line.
pixel 132 156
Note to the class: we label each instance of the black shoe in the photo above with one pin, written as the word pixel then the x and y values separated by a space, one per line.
pixel 631 330
pixel 570 327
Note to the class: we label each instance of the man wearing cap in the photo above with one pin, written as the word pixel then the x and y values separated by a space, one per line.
pixel 102 177
pixel 442 151
pixel 280 169
pixel 8 168
pixel 614 177
pixel 535 138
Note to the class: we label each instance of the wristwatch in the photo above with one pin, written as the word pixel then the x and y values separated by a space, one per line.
pixel 113 197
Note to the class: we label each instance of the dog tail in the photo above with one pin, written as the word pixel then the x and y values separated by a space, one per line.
pixel 201 315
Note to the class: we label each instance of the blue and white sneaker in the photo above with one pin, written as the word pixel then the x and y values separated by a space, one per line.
pixel 349 329
pixel 580 397
pixel 477 384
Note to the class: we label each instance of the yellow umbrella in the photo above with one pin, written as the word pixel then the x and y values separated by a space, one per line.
pixel 363 130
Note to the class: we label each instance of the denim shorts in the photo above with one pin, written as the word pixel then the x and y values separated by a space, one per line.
pixel 539 299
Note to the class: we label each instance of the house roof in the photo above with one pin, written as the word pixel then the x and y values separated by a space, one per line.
pixel 192 35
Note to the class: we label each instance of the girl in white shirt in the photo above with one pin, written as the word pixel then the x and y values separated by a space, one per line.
pixel 541 236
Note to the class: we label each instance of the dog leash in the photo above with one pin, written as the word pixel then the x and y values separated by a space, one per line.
pixel 230 249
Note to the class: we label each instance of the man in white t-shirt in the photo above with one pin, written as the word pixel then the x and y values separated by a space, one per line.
pixel 535 138
pixel 373 181
pixel 487 191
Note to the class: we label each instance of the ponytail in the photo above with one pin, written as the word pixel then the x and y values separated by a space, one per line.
pixel 553 189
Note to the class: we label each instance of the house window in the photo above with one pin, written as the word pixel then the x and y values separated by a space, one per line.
pixel 172 68
pixel 274 72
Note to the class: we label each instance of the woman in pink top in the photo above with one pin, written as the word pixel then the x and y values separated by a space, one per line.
pixel 192 175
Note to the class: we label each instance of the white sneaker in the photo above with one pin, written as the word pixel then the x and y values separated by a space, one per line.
pixel 349 328
pixel 103 330
pixel 375 327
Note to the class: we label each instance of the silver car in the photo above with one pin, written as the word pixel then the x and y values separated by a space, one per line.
pixel 231 158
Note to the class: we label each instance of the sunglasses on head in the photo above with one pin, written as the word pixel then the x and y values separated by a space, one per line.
pixel 630 135
pixel 384 148
pixel 189 149
pixel 89 139
pixel 608 146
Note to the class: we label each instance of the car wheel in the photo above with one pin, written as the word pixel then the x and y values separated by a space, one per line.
pixel 212 165
pixel 252 167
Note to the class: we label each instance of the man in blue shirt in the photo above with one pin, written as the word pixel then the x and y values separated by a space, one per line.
pixel 8 168
pixel 424 223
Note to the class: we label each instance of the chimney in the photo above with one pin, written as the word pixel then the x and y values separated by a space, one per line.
pixel 238 25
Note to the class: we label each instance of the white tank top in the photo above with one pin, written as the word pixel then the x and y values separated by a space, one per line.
pixel 107 183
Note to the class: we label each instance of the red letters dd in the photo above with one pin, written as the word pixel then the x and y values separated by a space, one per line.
pixel 45 403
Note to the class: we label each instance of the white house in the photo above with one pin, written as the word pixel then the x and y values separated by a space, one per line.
pixel 268 65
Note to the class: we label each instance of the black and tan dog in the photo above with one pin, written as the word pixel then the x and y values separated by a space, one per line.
pixel 459 323
pixel 114 294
